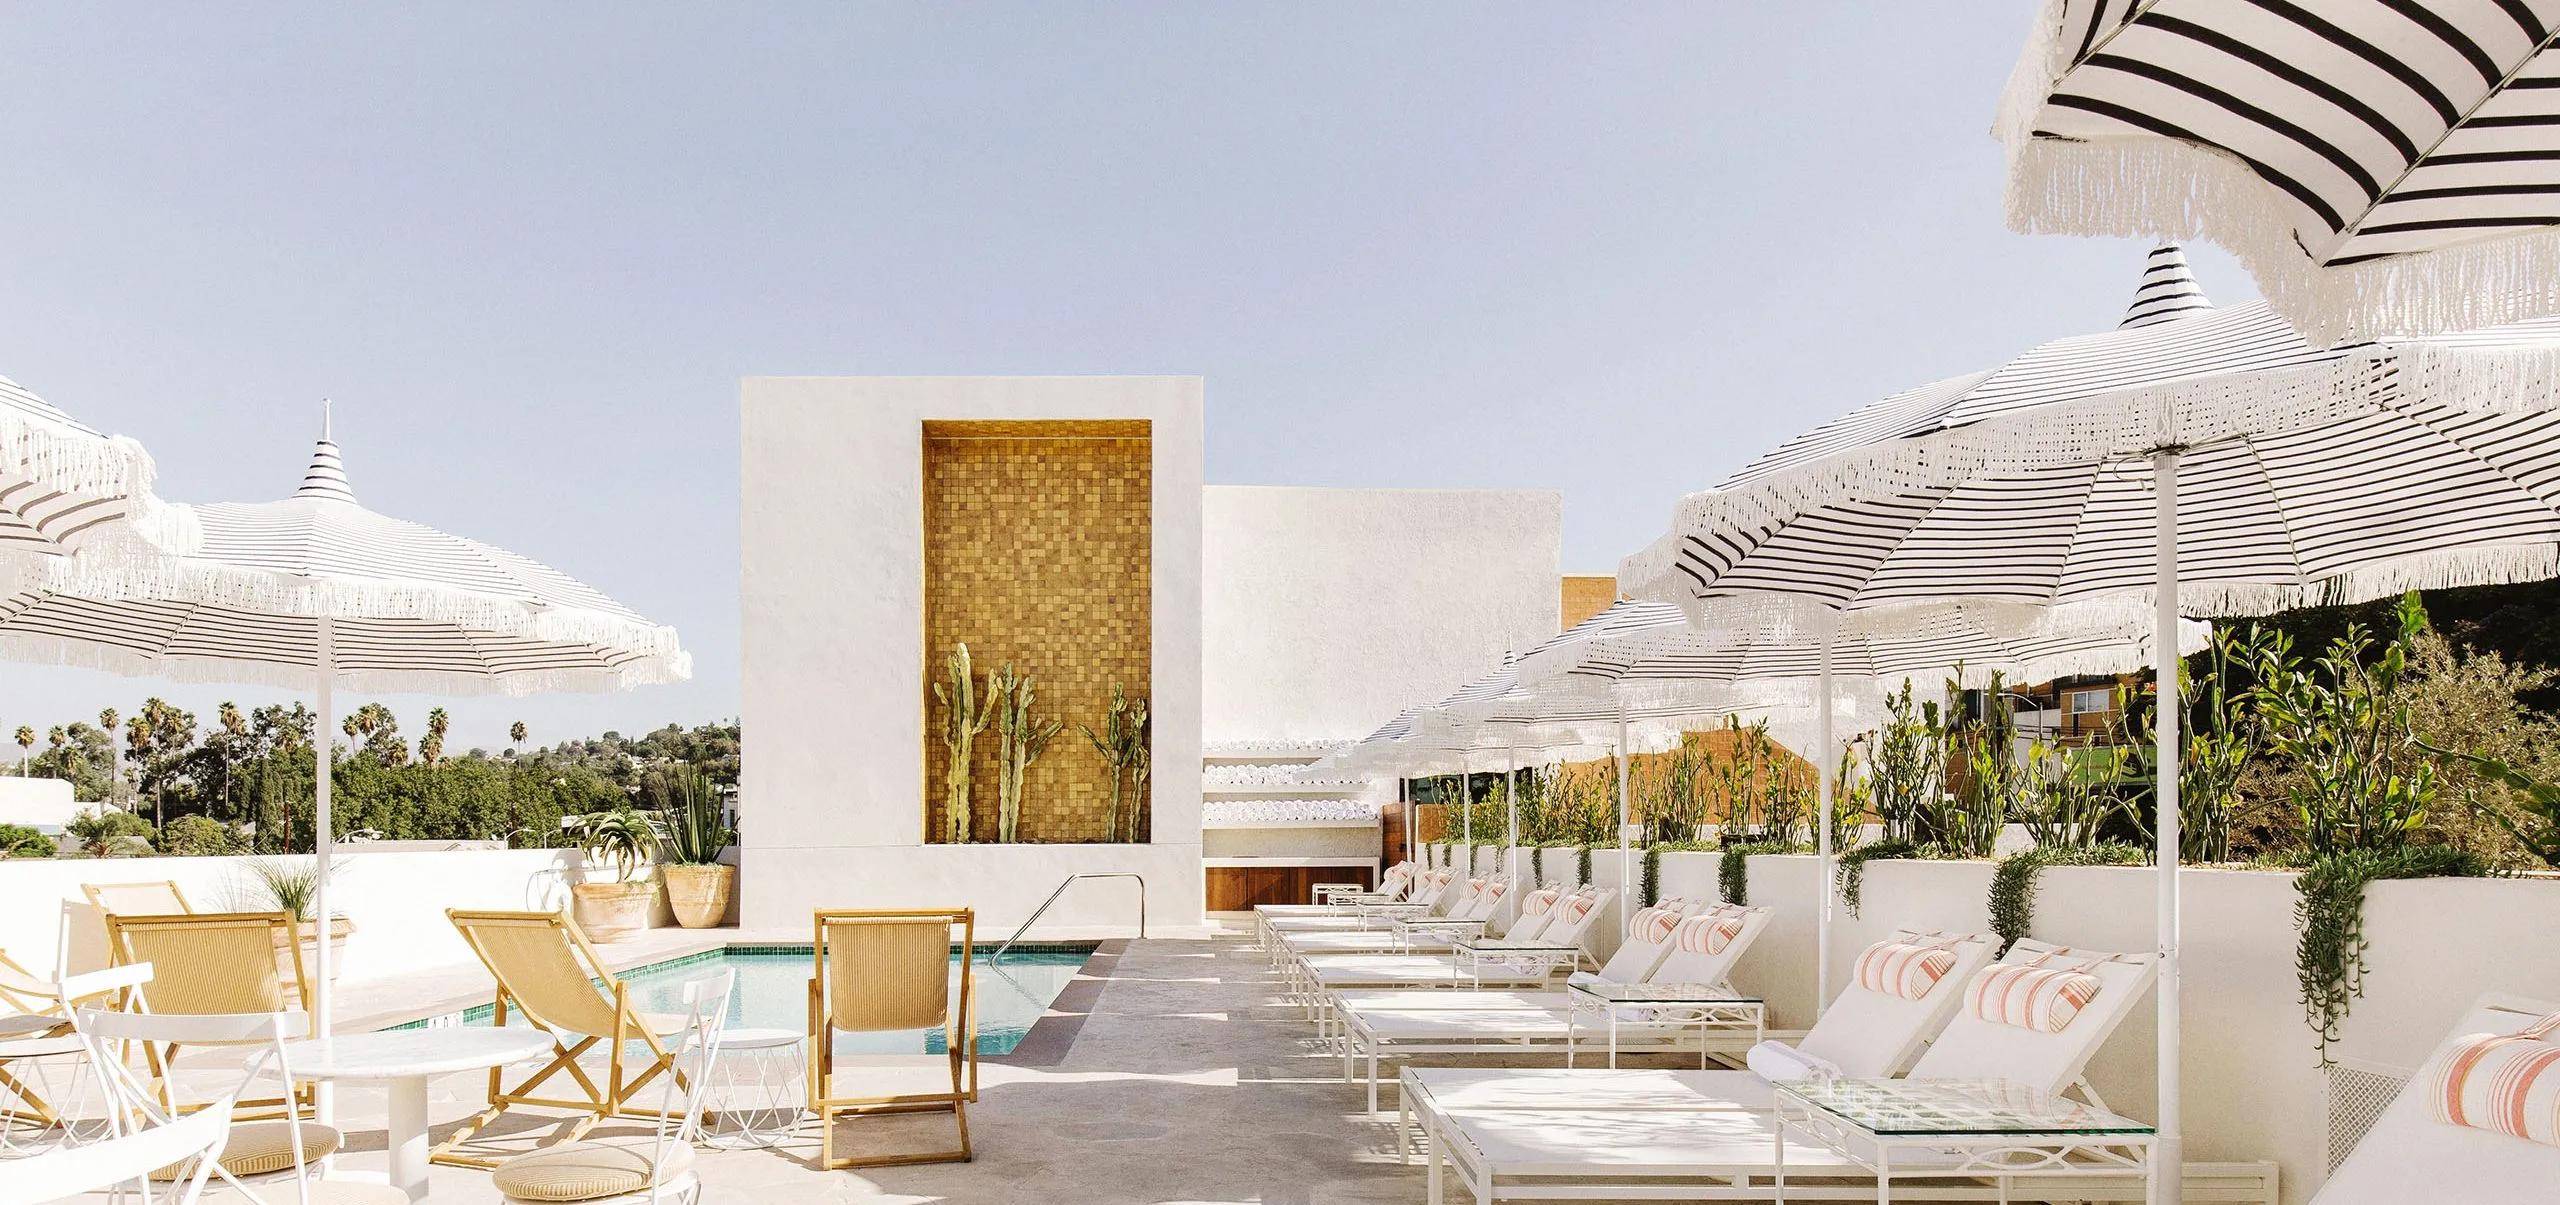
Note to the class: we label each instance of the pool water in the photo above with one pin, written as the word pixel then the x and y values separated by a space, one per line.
pixel 772 992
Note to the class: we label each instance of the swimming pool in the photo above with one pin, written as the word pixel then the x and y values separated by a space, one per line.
pixel 772 992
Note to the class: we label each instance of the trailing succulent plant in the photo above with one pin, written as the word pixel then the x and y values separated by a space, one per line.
pixel 1853 866
pixel 2013 881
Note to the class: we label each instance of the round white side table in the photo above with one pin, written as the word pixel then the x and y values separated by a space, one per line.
pixel 759 1089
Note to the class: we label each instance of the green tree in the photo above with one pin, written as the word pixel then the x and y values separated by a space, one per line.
pixel 198 837
pixel 26 745
pixel 106 832
pixel 19 841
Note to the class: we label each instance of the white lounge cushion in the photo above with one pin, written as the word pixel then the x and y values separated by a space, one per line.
pixel 1778 1062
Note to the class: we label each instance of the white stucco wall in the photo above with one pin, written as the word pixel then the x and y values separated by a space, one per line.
pixel 1324 612
pixel 397 901
pixel 831 606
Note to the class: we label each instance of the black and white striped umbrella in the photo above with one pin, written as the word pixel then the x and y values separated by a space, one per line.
pixel 2296 476
pixel 1652 656
pixel 315 590
pixel 2382 166
pixel 64 486
pixel 2308 477
pixel 408 608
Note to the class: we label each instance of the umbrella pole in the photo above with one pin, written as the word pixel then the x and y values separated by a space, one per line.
pixel 2166 1184
pixel 1628 887
pixel 323 1010
pixel 1466 818
pixel 1511 806
pixel 1824 761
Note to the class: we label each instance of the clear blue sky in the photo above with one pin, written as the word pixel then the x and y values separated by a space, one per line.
pixel 1612 250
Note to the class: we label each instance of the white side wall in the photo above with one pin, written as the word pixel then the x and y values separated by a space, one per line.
pixel 831 604
pixel 397 901
pixel 1324 612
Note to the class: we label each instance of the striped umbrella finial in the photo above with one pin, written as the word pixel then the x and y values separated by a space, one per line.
pixel 327 476
pixel 2168 290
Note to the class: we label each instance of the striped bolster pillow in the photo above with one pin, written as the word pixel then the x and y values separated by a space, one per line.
pixel 2044 999
pixel 1494 888
pixel 2504 1083
pixel 1709 933
pixel 1396 875
pixel 1903 969
pixel 1653 926
pixel 1537 902
pixel 1574 907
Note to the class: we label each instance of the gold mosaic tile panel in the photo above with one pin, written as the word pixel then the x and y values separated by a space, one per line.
pixel 1038 540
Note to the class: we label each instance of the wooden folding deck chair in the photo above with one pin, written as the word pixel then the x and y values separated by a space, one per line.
pixel 546 970
pixel 881 972
pixel 214 963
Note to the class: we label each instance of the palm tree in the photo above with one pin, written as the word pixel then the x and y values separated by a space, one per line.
pixel 431 746
pixel 55 737
pixel 235 728
pixel 137 748
pixel 516 733
pixel 107 723
pixel 26 745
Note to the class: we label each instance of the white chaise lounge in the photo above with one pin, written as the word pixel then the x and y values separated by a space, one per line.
pixel 2428 1147
pixel 1703 950
pixel 1888 1011
pixel 1728 1154
pixel 1570 924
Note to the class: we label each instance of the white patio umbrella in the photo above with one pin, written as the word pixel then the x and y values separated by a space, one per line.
pixel 65 487
pixel 2305 477
pixel 1650 654
pixel 2382 166
pixel 316 590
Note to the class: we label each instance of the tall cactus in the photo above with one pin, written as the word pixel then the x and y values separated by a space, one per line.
pixel 1123 746
pixel 963 718
pixel 1020 740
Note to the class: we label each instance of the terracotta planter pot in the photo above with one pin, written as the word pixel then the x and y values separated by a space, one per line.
pixel 609 912
pixel 309 934
pixel 699 894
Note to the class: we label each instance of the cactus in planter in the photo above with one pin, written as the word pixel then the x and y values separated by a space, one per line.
pixel 1020 740
pixel 963 718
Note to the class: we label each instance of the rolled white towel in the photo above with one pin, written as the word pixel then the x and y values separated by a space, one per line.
pixel 1778 1062
pixel 1583 979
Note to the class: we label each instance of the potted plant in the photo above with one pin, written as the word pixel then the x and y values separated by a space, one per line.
pixel 625 839
pixel 292 886
pixel 698 885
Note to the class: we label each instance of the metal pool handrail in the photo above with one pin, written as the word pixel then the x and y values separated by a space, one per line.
pixel 1070 881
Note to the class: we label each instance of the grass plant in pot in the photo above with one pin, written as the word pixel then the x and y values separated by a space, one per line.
pixel 292 886
pixel 625 839
pixel 698 884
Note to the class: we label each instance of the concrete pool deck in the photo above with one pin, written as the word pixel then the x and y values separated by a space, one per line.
pixel 1189 1079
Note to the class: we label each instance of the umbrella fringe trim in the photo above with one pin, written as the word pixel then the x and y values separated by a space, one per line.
pixel 144 578
pixel 81 654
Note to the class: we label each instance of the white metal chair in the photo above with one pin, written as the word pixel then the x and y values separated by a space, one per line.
pixel 193 1142
pixel 657 1169
pixel 263 1162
